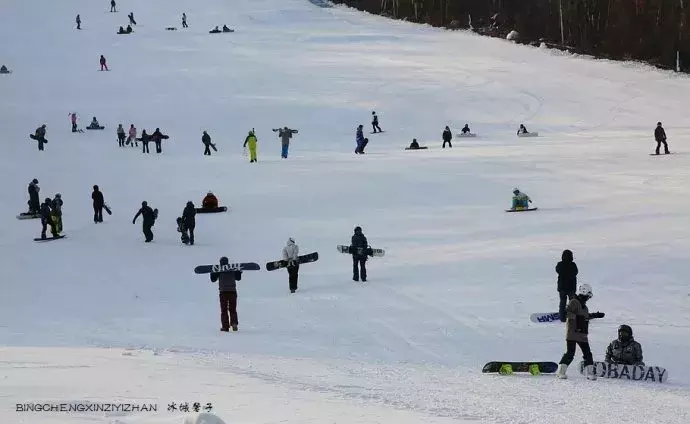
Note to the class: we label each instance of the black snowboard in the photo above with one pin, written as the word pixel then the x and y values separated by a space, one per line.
pixel 214 210
pixel 107 209
pixel 419 148
pixel 33 137
pixel 95 128
pixel 361 251
pixel 213 146
pixel 521 210
pixel 377 132
pixel 50 238
pixel 243 266
pixel 303 259
pixel 27 215
pixel 544 367
pixel 661 154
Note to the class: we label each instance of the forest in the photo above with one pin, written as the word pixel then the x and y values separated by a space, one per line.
pixel 652 31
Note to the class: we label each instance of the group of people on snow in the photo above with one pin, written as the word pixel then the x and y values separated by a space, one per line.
pixel 218 31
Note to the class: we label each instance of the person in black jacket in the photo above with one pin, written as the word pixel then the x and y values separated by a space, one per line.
pixel 206 140
pixel 34 202
pixel 227 287
pixel 358 248
pixel 567 281
pixel 145 138
pixel 660 137
pixel 157 138
pixel 189 220
pixel 149 219
pixel 47 218
pixel 98 202
pixel 447 137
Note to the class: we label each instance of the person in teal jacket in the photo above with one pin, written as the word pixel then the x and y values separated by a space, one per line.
pixel 520 200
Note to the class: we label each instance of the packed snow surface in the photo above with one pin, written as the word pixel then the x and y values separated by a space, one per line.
pixel 103 317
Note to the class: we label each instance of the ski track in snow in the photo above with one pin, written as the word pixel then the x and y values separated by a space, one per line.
pixel 460 276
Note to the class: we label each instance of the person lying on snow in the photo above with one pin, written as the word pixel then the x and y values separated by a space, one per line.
pixel 210 201
pixel 624 350
pixel 521 201
pixel 94 124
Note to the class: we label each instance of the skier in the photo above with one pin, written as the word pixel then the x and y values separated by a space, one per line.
pixel 660 137
pixel 210 201
pixel 145 138
pixel 227 286
pixel 251 141
pixel 285 135
pixel 375 122
pixel 358 247
pixel 466 129
pixel 121 136
pixel 112 6
pixel 98 202
pixel 361 141
pixel 47 218
pixel 73 118
pixel 157 138
pixel 132 137
pixel 189 220
pixel 577 328
pixel 624 350
pixel 40 136
pixel 184 20
pixel 521 200
pixel 56 207
pixel 131 19
pixel 447 137
pixel 414 145
pixel 149 218
pixel 522 130
pixel 567 281
pixel 34 202
pixel 206 140
pixel 104 65
pixel 291 254
pixel 78 20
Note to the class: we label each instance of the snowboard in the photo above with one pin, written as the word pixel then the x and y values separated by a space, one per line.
pixel 361 251
pixel 521 210
pixel 419 148
pixel 33 137
pixel 377 132
pixel 364 145
pixel 242 266
pixel 107 209
pixel 661 154
pixel 213 146
pixel 544 367
pixel 302 259
pixel 27 215
pixel 628 372
pixel 466 135
pixel 95 128
pixel 529 134
pixel 50 238
pixel 214 210
pixel 545 317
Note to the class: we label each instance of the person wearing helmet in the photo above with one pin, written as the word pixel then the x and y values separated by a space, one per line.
pixel 149 218
pixel 189 221
pixel 227 288
pixel 660 137
pixel 567 281
pixel 291 255
pixel 624 350
pixel 521 200
pixel 358 249
pixel 34 201
pixel 56 207
pixel 210 201
pixel 285 135
pixel 577 329
pixel 47 218
pixel 251 142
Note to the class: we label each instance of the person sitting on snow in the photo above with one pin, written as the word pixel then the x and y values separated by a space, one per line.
pixel 414 145
pixel 214 30
pixel 94 123
pixel 129 29
pixel 4 70
pixel 520 200
pixel 522 129
pixel 624 350
pixel 121 31
pixel 210 201
pixel 226 29
pixel 466 129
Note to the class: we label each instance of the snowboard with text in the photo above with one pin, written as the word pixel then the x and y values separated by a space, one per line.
pixel 240 266
pixel 303 259
pixel 545 317
pixel 361 251
pixel 628 372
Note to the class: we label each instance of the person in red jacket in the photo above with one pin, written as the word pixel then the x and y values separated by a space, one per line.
pixel 210 201
pixel 104 65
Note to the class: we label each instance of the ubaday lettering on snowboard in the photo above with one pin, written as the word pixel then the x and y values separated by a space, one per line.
pixel 629 372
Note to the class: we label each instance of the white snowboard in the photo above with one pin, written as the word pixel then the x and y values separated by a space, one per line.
pixel 628 372
pixel 466 135
pixel 529 134
pixel 545 317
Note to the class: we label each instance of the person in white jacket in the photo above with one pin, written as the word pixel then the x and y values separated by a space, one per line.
pixel 291 254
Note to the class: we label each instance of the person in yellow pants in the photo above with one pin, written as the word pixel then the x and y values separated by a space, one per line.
pixel 251 141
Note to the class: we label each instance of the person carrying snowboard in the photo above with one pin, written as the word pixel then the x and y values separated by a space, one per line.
pixel 47 219
pixel 189 221
pixel 40 136
pixel 624 350
pixel 56 207
pixel 447 137
pixel 210 201
pixel 291 255
pixel 121 136
pixel 149 218
pixel 98 203
pixel 104 65
pixel 375 122
pixel 361 141
pixel 358 248
pixel 567 281
pixel 227 287
pixel 577 329
pixel 521 200
pixel 466 129
pixel 34 202
pixel 660 137
pixel 158 138
pixel 145 138
pixel 206 140
pixel 285 135
pixel 251 142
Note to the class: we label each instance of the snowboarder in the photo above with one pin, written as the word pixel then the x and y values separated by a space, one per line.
pixel 359 242
pixel 78 20
pixel 210 201
pixel 73 119
pixel 145 138
pixel 47 218
pixel 567 281
pixel 56 207
pixel 660 137
pixel 94 125
pixel 121 135
pixel 98 203
pixel 184 20
pixel 447 137
pixel 226 29
pixel 465 129
pixel 132 137
pixel 4 70
pixel 112 6
pixel 521 200
pixel 129 29
pixel 291 254
pixel 215 30
pixel 375 123
pixel 189 220
pixel 251 142
pixel 158 138
pixel 227 287
pixel 522 130
pixel 414 145
pixel 104 65
pixel 131 19
pixel 149 218
pixel 361 141
pixel 577 328
pixel 285 135
pixel 34 202
pixel 206 140
pixel 40 136
pixel 121 31
pixel 624 350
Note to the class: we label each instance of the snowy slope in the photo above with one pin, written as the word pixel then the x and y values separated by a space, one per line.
pixel 460 276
